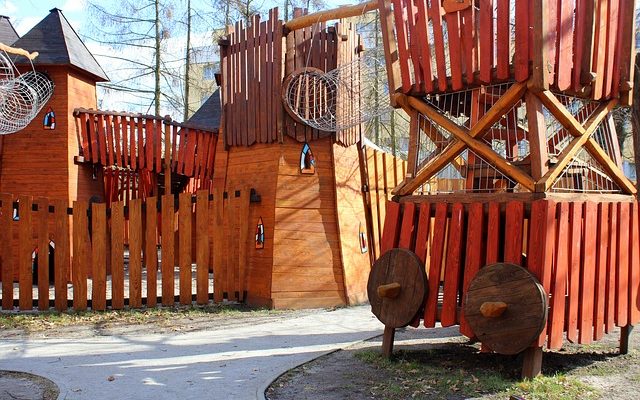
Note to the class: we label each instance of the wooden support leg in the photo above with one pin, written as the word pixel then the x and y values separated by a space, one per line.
pixel 532 363
pixel 625 335
pixel 387 341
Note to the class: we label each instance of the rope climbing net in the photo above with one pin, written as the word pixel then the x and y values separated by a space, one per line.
pixel 22 95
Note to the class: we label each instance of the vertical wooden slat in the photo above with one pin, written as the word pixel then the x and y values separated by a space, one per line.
pixel 407 229
pixel 558 295
pixel 391 227
pixel 167 264
pixel 452 266
pixel 486 39
pixel 422 234
pixel 434 14
pixel 242 87
pixel 81 255
pixel 117 255
pixel 521 44
pixel 42 218
pixel 135 253
pixel 611 269
pixel 190 151
pixel 124 125
pixel 272 81
pixel 473 256
pixel 62 256
pixel 251 64
pixel 133 157
pixel 98 256
pixel 468 25
pixel 413 45
pixel 493 233
pixel 610 52
pixel 231 248
pixel 243 237
pixel 601 271
pixel 6 238
pixel 502 39
pixel 455 49
pixel 93 139
pixel 575 254
pixel 425 47
pixel 217 225
pixel 102 140
pixel 583 39
pixel 83 119
pixel 151 250
pixel 149 133
pixel 117 140
pixel 622 266
pixel 513 232
pixel 587 281
pixel 599 48
pixel 541 242
pixel 184 247
pixel 158 139
pixel 108 119
pixel 564 61
pixel 435 264
pixel 25 250
pixel 202 247
pixel 142 133
pixel 277 76
pixel 634 266
pixel 624 67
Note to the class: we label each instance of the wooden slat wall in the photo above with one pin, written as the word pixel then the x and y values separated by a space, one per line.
pixel 99 239
pixel 580 253
pixel 583 39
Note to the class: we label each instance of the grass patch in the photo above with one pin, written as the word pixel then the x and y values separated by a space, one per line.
pixel 451 372
pixel 34 322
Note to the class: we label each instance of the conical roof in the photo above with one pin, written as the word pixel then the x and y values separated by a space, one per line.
pixel 58 44
pixel 8 35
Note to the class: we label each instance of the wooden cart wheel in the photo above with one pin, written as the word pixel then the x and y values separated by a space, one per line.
pixel 397 287
pixel 506 307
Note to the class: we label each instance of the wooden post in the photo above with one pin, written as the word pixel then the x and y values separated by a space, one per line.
pixel 537 137
pixel 635 120
pixel 390 48
pixel 625 335
pixel 387 341
pixel 532 363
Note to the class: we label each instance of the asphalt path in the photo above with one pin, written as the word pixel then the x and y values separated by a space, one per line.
pixel 237 362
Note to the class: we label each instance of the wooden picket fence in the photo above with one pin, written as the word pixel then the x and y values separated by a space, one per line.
pixel 172 242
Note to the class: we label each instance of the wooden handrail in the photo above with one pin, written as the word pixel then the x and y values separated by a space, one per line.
pixel 327 15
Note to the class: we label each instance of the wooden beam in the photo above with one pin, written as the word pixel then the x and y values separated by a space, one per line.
pixel 561 113
pixel 327 15
pixel 625 52
pixel 390 48
pixel 504 103
pixel 412 152
pixel 610 166
pixel 569 152
pixel 537 137
pixel 539 76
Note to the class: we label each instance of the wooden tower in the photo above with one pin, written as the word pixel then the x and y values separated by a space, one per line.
pixel 513 159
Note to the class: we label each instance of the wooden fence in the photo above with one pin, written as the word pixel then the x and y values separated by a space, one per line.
pixel 590 44
pixel 173 243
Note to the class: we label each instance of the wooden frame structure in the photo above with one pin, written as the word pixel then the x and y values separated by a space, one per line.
pixel 511 131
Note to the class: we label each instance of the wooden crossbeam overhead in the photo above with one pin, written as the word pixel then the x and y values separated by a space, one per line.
pixel 502 105
pixel 327 15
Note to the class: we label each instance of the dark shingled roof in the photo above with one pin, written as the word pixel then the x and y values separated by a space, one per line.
pixel 208 115
pixel 59 44
pixel 8 35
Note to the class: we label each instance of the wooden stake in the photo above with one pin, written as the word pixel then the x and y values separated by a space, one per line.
pixel 532 363
pixel 387 341
pixel 625 335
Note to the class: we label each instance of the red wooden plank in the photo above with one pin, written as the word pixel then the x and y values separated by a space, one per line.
pixel 564 61
pixel 202 247
pixel 25 251
pixel 42 231
pixel 502 39
pixel 612 36
pixel 117 140
pixel 277 75
pixel 469 49
pixel 622 267
pixel 587 281
pixel 435 265
pixel 110 140
pixel 117 255
pixel 135 253
pixel 125 139
pixel 558 299
pixel 441 63
pixel 422 235
pixel 93 139
pixel 81 261
pixel 185 215
pixel 98 256
pixel 151 250
pixel 391 227
pixel 493 233
pixel 149 133
pixel 624 50
pixel 514 221
pixel 425 48
pixel 575 252
pixel 142 133
pixel 540 247
pixel 455 49
pixel 485 39
pixel 473 256
pixel 582 41
pixel 634 267
pixel 599 48
pixel 611 269
pixel 251 95
pixel 190 152
pixel 133 157
pixel 407 229
pixel 415 42
pixel 552 36
pixel 84 134
pixel 601 270
pixel 400 14
pixel 521 44
pixel 6 238
pixel 452 267
pixel 158 143
pixel 102 141
pixel 174 144
pixel 62 255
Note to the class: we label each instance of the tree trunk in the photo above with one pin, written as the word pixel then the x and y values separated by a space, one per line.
pixel 156 96
pixel 187 63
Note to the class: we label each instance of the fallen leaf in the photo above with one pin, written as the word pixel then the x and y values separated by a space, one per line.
pixel 111 378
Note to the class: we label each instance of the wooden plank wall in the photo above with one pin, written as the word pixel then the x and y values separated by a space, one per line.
pixel 585 254
pixel 252 60
pixel 385 173
pixel 99 242
pixel 134 146
pixel 590 45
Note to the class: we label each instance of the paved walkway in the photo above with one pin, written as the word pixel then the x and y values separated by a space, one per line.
pixel 234 363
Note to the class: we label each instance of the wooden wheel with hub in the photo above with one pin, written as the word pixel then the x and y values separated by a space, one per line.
pixel 506 307
pixel 397 287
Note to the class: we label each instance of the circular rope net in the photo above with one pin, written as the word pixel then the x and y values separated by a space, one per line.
pixel 347 96
pixel 22 96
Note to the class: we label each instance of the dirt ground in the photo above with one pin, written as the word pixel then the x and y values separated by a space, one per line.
pixel 432 365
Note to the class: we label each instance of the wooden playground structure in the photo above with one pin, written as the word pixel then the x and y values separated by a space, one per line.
pixel 514 220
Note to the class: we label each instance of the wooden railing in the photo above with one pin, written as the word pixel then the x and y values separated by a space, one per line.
pixel 588 45
pixel 164 249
